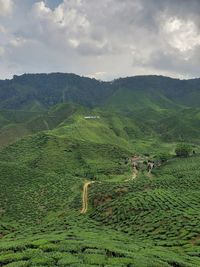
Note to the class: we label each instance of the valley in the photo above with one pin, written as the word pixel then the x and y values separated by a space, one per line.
pixel 91 174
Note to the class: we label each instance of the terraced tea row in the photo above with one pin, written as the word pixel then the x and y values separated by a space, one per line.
pixel 164 209
pixel 80 247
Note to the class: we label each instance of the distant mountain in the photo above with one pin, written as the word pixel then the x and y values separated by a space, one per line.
pixel 129 108
pixel 40 91
pixel 182 92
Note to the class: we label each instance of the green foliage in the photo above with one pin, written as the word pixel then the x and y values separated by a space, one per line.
pixel 162 158
pixel 36 91
pixel 163 209
pixel 146 106
pixel 183 150
pixel 86 244
pixel 149 221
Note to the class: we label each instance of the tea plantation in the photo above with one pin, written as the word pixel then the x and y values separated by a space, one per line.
pixel 163 208
pixel 61 132
pixel 150 221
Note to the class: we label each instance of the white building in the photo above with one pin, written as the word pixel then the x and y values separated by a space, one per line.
pixel 91 117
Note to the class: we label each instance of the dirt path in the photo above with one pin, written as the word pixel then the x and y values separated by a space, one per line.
pixel 87 184
pixel 134 175
pixel 135 172
pixel 85 197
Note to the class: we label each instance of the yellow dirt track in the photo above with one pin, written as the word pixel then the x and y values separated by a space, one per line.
pixel 85 197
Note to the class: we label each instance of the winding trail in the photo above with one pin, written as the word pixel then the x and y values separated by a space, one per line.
pixel 135 172
pixel 87 184
pixel 134 175
pixel 85 197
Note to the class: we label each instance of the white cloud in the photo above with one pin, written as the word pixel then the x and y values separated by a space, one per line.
pixel 67 17
pixel 97 75
pixel 18 41
pixel 74 43
pixel 182 34
pixel 6 7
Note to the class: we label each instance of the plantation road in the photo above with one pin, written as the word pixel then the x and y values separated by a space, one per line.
pixel 135 172
pixel 135 161
pixel 85 197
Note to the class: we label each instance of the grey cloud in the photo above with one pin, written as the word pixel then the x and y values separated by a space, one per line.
pixel 109 37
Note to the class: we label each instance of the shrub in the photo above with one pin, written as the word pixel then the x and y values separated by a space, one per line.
pixel 183 150
pixel 68 259
pixel 163 157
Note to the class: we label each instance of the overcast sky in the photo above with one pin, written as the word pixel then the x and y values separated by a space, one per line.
pixel 104 39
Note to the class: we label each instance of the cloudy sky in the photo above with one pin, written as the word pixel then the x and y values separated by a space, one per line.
pixel 102 39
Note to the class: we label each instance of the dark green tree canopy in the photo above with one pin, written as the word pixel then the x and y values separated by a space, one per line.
pixel 183 150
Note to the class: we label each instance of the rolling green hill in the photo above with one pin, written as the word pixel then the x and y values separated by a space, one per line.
pixel 148 105
pixel 60 131
pixel 163 209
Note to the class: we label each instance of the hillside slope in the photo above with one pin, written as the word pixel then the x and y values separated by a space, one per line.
pixel 147 106
pixel 59 132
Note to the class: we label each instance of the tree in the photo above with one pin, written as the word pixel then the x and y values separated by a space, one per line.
pixel 183 150
pixel 161 158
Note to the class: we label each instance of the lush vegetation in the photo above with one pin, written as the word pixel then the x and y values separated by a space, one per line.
pixel 153 105
pixel 80 242
pixel 58 131
pixel 183 150
pixel 163 208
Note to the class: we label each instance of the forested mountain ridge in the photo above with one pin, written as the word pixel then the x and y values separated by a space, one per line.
pixel 45 90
